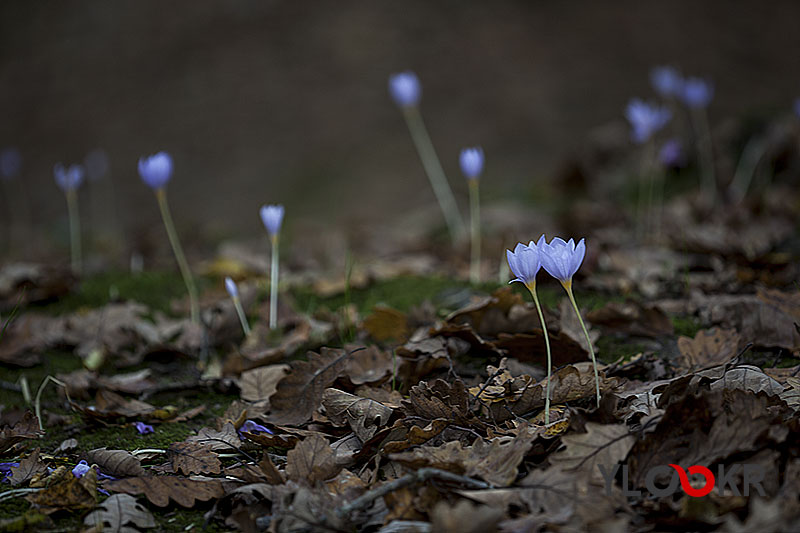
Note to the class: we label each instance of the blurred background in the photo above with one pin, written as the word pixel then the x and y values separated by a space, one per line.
pixel 286 102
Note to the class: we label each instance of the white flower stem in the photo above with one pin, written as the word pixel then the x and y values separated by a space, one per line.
pixel 475 231
pixel 273 284
pixel 705 152
pixel 532 289
pixel 645 182
pixel 74 231
pixel 436 175
pixel 177 250
pixel 568 287
pixel 237 303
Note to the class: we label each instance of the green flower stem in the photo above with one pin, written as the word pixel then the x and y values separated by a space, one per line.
pixel 568 287
pixel 705 152
pixel 74 231
pixel 532 288
pixel 475 231
pixel 237 303
pixel 433 168
pixel 273 284
pixel 191 288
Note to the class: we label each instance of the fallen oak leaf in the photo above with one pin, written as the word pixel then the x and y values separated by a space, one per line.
pixel 225 439
pixel 160 489
pixel 708 348
pixel 193 458
pixel 117 463
pixel 261 383
pixel 69 492
pixel 364 416
pixel 117 512
pixel 26 428
pixel 27 469
pixel 311 460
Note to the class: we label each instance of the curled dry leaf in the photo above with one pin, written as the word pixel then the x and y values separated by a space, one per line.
pixel 117 513
pixel 193 458
pixel 708 348
pixel 224 440
pixel 26 428
pixel 369 365
pixel 363 415
pixel 28 467
pixel 118 463
pixel 161 489
pixel 602 445
pixel 311 460
pixel 261 383
pixel 67 492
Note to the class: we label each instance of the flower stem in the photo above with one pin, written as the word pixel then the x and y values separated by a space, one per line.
pixel 475 231
pixel 237 303
pixel 177 250
pixel 436 175
pixel 705 152
pixel 74 231
pixel 273 284
pixel 532 289
pixel 568 287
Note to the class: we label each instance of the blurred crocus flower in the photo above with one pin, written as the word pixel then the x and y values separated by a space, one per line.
pixel 646 119
pixel 471 161
pixel 666 81
pixel 697 92
pixel 81 468
pixel 156 170
pixel 405 88
pixel 272 217
pixel 525 262
pixel 10 163
pixel 143 428
pixel 231 287
pixel 68 179
pixel 251 426
pixel 671 153
pixel 97 164
pixel 562 259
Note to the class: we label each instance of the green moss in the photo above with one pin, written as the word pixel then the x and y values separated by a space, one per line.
pixel 686 326
pixel 180 519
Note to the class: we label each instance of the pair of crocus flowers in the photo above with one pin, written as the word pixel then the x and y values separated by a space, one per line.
pixel 561 260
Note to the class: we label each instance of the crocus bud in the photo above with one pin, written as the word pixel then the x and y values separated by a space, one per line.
pixel 471 160
pixel 405 88
pixel 272 216
pixel 666 81
pixel 697 93
pixel 156 170
pixel 231 287
pixel 68 179
pixel 645 119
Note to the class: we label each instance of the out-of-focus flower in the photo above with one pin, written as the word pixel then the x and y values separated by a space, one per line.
pixel 671 153
pixel 156 170
pixel 797 107
pixel 471 161
pixel 70 178
pixel 562 259
pixel 645 119
pixel 405 88
pixel 231 287
pixel 697 92
pixel 525 262
pixel 666 81
pixel 10 163
pixel 97 164
pixel 81 468
pixel 272 217
pixel 5 470
pixel 143 428
pixel 251 426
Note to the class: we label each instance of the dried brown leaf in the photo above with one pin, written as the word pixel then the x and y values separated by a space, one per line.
pixel 311 460
pixel 117 463
pixel 161 489
pixel 26 428
pixel 370 365
pixel 602 444
pixel 364 416
pixel 261 383
pixel 68 492
pixel 28 467
pixel 193 458
pixel 386 323
pixel 632 318
pixel 224 440
pixel 708 348
pixel 117 512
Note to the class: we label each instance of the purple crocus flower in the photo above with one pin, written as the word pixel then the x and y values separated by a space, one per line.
pixel 646 119
pixel 666 81
pixel 68 179
pixel 697 93
pixel 272 217
pixel 10 163
pixel 562 259
pixel 97 164
pixel 671 153
pixel 471 161
pixel 143 428
pixel 5 470
pixel 81 468
pixel 231 287
pixel 251 426
pixel 525 262
pixel 156 170
pixel 405 88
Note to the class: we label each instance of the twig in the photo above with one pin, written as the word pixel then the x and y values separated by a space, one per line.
pixel 420 476
pixel 9 494
pixel 496 373
pixel 38 402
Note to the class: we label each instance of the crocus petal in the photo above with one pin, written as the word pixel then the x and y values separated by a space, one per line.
pixel 577 256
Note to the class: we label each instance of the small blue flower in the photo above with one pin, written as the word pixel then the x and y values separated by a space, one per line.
pixel 562 259
pixel 471 161
pixel 143 428
pixel 156 170
pixel 250 426
pixel 666 81
pixel 5 470
pixel 81 468
pixel 671 153
pixel 231 287
pixel 97 164
pixel 525 262
pixel 272 217
pixel 405 88
pixel 68 179
pixel 10 163
pixel 646 119
pixel 697 93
